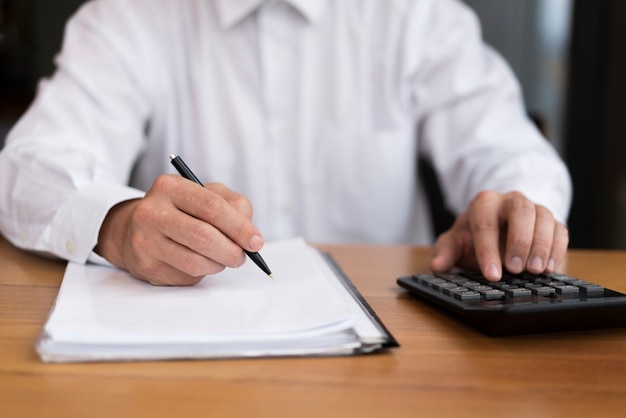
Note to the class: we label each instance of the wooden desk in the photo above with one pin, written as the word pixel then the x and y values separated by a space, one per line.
pixel 442 368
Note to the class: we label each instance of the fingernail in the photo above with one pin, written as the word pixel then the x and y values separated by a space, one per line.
pixel 256 242
pixel 242 261
pixel 515 264
pixel 551 265
pixel 536 263
pixel 492 272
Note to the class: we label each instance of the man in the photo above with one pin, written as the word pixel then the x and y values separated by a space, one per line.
pixel 313 110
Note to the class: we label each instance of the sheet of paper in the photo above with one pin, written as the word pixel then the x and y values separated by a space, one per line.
pixel 101 305
pixel 367 329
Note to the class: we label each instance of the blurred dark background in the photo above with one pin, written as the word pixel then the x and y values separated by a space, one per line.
pixel 567 55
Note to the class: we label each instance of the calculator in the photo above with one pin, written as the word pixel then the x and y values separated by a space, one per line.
pixel 520 303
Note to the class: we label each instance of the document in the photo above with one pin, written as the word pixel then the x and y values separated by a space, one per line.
pixel 309 308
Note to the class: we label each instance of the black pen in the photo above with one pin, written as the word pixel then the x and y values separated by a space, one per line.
pixel 188 174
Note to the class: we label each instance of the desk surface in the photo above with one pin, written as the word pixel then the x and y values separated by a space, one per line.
pixel 442 368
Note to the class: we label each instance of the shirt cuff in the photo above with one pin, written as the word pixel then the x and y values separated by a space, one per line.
pixel 98 259
pixel 75 228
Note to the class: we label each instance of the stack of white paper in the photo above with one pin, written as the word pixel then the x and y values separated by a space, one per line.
pixel 104 314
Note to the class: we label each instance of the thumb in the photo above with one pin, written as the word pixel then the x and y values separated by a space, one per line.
pixel 446 253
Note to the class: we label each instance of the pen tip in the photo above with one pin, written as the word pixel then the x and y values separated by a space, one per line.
pixel 172 156
pixel 271 276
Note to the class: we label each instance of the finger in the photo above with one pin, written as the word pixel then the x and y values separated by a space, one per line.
pixel 159 273
pixel 188 264
pixel 214 209
pixel 559 247
pixel 519 214
pixel 153 256
pixel 542 240
pixel 238 201
pixel 189 232
pixel 153 259
pixel 204 239
pixel 454 248
pixel 446 253
pixel 484 223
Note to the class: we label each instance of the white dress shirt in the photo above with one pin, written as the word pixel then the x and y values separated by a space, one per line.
pixel 315 110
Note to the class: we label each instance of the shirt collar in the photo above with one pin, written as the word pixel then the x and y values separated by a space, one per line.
pixel 230 12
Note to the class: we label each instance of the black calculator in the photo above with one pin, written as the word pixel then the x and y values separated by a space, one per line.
pixel 521 303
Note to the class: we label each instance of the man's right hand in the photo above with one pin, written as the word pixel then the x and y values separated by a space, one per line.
pixel 179 232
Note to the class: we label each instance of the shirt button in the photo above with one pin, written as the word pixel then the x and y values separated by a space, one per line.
pixel 69 247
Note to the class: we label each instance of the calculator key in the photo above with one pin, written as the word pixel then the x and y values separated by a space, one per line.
pixel 472 284
pixel 443 286
pixel 492 294
pixel 591 288
pixel 532 286
pixel 467 295
pixel 543 291
pixel 451 277
pixel 424 279
pixel 518 292
pixel 567 289
pixel 433 282
pixel 452 290
pixel 562 277
pixel 503 285
pixel 555 283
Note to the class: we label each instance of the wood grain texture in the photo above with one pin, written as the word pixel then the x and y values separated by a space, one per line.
pixel 443 368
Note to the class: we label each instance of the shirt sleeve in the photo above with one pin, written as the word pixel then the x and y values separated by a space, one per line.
pixel 69 158
pixel 474 127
